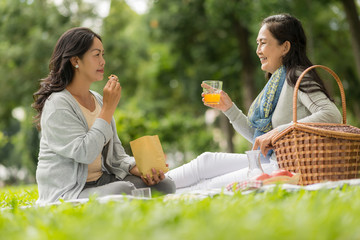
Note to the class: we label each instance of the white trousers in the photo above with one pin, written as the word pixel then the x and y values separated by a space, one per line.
pixel 213 170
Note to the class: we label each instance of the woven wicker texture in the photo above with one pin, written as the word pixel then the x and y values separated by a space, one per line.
pixel 319 151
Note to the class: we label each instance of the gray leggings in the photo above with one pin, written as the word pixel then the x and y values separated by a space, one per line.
pixel 108 184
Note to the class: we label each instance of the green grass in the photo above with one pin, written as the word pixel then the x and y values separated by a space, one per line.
pixel 325 214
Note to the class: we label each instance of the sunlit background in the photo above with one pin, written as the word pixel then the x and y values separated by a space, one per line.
pixel 162 50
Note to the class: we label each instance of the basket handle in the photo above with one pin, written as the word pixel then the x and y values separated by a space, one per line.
pixel 296 88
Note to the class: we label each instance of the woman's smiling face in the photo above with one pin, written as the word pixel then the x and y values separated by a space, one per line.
pixel 269 50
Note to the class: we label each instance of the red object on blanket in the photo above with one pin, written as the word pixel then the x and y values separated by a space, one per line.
pixel 263 176
pixel 281 172
pixel 281 176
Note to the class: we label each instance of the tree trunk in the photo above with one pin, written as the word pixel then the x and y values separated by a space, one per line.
pixel 247 78
pixel 354 24
pixel 247 74
pixel 228 130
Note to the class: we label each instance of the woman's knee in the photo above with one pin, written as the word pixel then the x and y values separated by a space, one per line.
pixel 203 160
pixel 120 187
pixel 137 181
pixel 206 155
pixel 166 186
pixel 114 188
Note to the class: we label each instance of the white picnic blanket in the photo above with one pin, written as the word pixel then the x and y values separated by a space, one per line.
pixel 205 193
pixel 200 194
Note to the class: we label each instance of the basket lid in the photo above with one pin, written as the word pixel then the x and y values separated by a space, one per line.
pixel 333 130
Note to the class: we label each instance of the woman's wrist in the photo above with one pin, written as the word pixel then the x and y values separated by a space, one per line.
pixel 106 115
pixel 227 108
pixel 135 171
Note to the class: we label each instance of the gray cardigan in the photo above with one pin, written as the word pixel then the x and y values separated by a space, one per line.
pixel 311 107
pixel 67 146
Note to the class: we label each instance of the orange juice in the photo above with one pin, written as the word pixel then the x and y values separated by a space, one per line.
pixel 212 98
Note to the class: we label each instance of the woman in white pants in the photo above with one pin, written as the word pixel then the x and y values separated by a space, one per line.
pixel 281 48
pixel 213 170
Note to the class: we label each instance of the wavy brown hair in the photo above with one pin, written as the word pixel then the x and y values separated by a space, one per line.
pixel 73 43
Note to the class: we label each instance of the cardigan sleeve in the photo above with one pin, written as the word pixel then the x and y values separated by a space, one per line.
pixel 239 121
pixel 314 107
pixel 121 162
pixel 66 134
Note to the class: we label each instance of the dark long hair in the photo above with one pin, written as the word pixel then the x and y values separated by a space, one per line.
pixel 285 27
pixel 74 42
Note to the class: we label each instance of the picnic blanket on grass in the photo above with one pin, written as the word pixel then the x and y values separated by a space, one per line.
pixel 247 187
pixel 255 187
pixel 250 187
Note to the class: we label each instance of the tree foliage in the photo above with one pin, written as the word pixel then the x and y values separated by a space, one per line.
pixel 161 58
pixel 28 33
pixel 158 103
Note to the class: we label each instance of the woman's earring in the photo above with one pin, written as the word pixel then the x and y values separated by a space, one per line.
pixel 76 66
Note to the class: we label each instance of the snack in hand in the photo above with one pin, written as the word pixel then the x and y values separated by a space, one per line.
pixel 113 77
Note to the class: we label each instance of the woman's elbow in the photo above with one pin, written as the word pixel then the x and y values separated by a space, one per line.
pixel 334 117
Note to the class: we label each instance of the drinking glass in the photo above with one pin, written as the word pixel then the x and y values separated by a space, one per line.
pixel 212 93
pixel 141 192
pixel 255 168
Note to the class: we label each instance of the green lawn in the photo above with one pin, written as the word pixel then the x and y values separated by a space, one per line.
pixel 325 214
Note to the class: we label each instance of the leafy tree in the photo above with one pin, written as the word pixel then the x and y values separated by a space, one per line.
pixel 210 39
pixel 204 46
pixel 151 103
pixel 161 58
pixel 352 16
pixel 28 33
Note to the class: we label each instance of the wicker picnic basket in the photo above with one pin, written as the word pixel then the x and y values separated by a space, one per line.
pixel 319 151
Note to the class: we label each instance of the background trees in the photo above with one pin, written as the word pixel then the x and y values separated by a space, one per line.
pixel 161 57
pixel 28 33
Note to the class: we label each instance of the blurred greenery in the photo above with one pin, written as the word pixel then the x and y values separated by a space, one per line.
pixel 161 57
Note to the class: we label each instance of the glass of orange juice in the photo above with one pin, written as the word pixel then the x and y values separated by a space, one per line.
pixel 212 91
